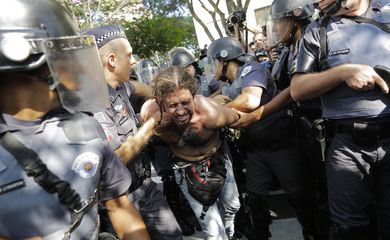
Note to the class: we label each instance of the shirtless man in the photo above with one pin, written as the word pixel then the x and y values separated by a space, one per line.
pixel 189 125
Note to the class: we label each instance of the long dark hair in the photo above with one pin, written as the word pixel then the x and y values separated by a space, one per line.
pixel 171 79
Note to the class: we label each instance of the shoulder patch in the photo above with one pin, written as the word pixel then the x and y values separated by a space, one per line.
pixel 246 70
pixel 86 164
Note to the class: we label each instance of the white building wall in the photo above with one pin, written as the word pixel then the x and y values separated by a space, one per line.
pixel 251 20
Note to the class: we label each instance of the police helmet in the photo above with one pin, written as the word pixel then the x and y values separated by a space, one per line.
pixel 226 48
pixel 285 13
pixel 221 50
pixel 147 63
pixel 297 9
pixel 175 50
pixel 22 21
pixel 182 59
pixel 148 70
pixel 38 32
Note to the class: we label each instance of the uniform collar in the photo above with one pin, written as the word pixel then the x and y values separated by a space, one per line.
pixel 54 115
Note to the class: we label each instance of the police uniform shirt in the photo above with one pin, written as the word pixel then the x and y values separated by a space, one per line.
pixel 281 71
pixel 349 42
pixel 214 85
pixel 119 120
pixel 74 149
pixel 251 74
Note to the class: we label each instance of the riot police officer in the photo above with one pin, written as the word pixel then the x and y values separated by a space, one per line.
pixel 285 25
pixel 54 160
pixel 336 61
pixel 271 150
pixel 120 124
pixel 187 62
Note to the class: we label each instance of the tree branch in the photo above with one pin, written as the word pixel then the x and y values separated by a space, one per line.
pixel 213 16
pixel 246 5
pixel 119 7
pixel 221 16
pixel 196 17
pixel 231 6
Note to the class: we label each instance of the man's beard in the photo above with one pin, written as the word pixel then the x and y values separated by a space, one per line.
pixel 191 137
pixel 183 124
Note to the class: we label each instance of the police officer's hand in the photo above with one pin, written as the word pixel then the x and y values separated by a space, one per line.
pixel 246 119
pixel 364 78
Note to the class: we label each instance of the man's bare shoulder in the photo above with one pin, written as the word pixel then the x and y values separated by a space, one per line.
pixel 204 102
pixel 149 108
pixel 205 105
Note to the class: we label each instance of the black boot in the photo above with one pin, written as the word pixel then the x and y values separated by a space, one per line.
pixel 260 215
pixel 304 210
pixel 243 223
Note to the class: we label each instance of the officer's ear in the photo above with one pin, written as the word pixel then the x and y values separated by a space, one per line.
pixel 111 60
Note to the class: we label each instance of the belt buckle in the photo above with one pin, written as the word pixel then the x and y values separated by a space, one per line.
pixel 66 236
pixel 86 203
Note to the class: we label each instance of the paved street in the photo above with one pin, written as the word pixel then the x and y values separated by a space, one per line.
pixel 285 227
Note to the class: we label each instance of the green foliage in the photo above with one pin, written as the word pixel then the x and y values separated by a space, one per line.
pixel 156 27
pixel 156 36
pixel 166 7
pixel 92 13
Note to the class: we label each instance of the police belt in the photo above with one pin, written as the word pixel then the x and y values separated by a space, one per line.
pixel 75 217
pixel 78 214
pixel 376 131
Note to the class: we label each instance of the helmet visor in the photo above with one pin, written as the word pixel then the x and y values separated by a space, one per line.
pixel 148 74
pixel 210 68
pixel 278 30
pixel 77 73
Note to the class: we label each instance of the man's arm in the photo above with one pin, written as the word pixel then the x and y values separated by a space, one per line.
pixel 141 89
pixel 215 115
pixel 277 103
pixel 248 100
pixel 150 114
pixel 357 76
pixel 125 219
pixel 133 145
